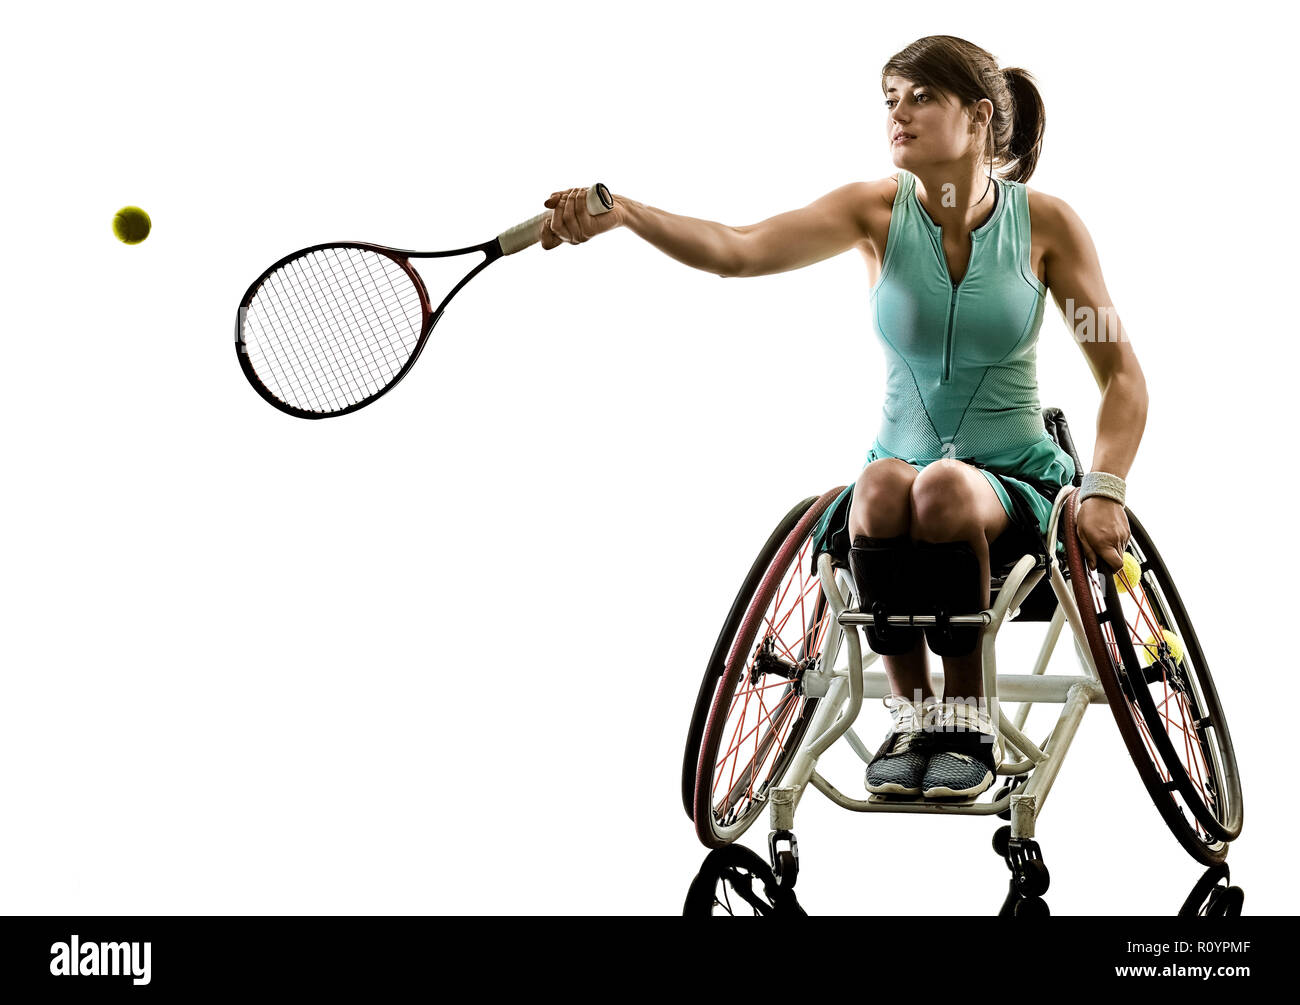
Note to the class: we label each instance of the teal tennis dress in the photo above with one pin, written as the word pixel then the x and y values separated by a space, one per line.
pixel 961 363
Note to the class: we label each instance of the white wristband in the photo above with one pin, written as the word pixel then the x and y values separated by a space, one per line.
pixel 1099 483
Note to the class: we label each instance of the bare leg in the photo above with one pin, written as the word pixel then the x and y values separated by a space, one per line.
pixel 953 501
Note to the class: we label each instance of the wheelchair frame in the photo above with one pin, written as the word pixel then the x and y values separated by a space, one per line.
pixel 1210 789
pixel 842 691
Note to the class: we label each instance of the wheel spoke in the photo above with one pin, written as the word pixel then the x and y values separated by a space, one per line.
pixel 738 743
pixel 801 599
pixel 1157 687
pixel 760 756
pixel 737 773
pixel 753 688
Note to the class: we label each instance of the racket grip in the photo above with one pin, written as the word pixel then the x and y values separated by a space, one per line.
pixel 526 234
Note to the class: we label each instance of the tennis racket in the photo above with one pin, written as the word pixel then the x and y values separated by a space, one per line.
pixel 331 328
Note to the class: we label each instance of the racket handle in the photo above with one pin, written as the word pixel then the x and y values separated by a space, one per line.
pixel 526 234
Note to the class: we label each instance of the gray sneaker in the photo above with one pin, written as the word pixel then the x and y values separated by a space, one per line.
pixel 964 754
pixel 899 764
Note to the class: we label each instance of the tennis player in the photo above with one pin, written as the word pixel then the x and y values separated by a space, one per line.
pixel 961 254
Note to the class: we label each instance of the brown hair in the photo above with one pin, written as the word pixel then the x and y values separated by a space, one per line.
pixel 970 74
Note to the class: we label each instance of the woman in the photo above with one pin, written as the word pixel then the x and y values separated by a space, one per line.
pixel 960 261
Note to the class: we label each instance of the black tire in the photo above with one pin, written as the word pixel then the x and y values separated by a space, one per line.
pixel 1197 789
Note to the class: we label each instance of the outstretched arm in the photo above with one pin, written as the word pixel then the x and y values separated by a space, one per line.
pixel 1074 277
pixel 832 224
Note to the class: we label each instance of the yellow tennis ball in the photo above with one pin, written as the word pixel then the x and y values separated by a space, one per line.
pixel 1149 647
pixel 131 225
pixel 1129 574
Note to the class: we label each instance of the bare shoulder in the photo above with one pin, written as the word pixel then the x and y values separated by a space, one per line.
pixel 1052 219
pixel 866 196
pixel 883 190
pixel 878 206
pixel 867 204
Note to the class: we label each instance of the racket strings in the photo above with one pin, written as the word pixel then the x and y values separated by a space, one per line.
pixel 349 308
pixel 332 328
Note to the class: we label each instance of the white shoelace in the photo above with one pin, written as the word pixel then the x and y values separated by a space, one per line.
pixel 910 720
pixel 914 718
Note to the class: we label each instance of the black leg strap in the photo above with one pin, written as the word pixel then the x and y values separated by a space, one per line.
pixel 882 570
pixel 948 582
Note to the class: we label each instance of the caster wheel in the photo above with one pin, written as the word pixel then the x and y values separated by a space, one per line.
pixel 783 851
pixel 1002 841
pixel 1031 878
pixel 785 867
pixel 1030 907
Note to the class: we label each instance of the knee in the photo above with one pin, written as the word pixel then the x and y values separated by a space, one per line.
pixel 881 506
pixel 943 505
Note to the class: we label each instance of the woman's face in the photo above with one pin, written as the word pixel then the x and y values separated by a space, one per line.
pixel 924 125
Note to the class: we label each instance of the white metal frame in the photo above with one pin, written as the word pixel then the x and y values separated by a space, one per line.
pixel 842 689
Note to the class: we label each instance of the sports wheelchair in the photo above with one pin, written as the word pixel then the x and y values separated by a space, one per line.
pixel 788 675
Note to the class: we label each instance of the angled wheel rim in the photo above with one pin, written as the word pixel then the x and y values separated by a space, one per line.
pixel 1180 800
pixel 1175 717
pixel 1185 686
pixel 717 664
pixel 758 718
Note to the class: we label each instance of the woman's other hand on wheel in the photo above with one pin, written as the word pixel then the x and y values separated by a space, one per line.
pixel 570 223
pixel 1103 531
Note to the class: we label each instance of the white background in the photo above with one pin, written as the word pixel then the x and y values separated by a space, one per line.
pixel 440 655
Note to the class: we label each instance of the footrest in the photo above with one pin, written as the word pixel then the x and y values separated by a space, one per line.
pixel 877 799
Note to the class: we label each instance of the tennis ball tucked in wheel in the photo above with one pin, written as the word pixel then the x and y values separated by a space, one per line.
pixel 1147 653
pixel 1129 574
pixel 131 225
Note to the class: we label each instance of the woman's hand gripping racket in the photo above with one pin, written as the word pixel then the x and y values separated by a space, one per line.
pixel 329 329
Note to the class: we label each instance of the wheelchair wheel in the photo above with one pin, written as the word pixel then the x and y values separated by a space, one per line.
pixel 722 649
pixel 1159 688
pixel 758 712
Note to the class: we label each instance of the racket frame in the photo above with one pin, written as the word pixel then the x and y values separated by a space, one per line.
pixel 490 249
pixel 599 200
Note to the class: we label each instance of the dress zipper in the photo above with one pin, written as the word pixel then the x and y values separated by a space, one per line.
pixel 945 375
pixel 947 339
